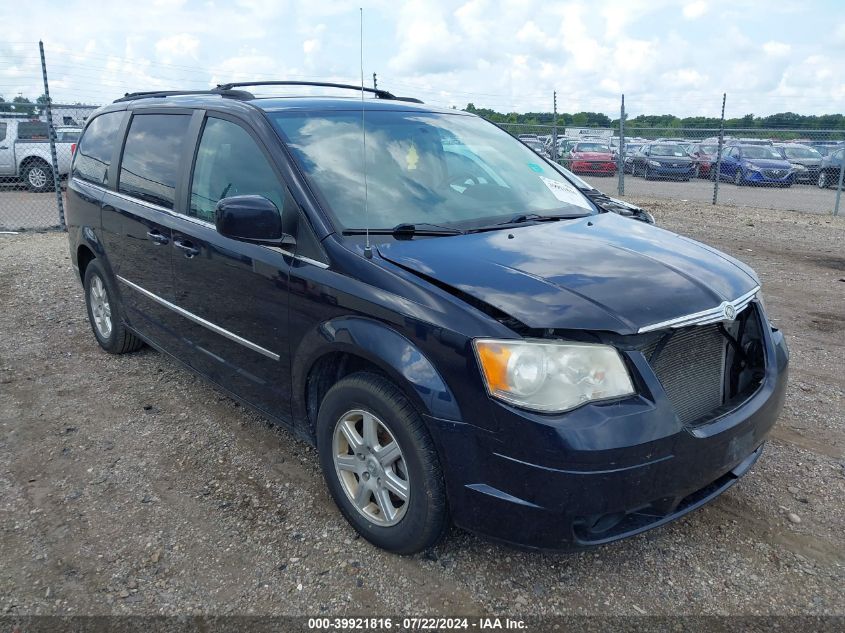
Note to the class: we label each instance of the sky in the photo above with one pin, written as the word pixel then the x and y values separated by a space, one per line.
pixel 668 57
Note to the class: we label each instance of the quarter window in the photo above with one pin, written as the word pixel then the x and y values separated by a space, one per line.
pixel 93 154
pixel 229 163
pixel 150 166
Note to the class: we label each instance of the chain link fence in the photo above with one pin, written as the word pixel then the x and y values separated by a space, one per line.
pixel 28 178
pixel 790 169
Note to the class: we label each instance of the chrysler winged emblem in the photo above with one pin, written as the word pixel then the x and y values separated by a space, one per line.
pixel 730 312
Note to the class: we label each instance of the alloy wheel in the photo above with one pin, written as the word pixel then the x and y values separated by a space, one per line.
pixel 100 308
pixel 37 177
pixel 371 467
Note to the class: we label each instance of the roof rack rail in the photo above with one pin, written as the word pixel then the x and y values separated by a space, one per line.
pixel 381 94
pixel 152 94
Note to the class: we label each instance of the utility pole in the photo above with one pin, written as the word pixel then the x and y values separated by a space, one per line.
pixel 719 155
pixel 554 126
pixel 57 181
pixel 375 82
pixel 621 168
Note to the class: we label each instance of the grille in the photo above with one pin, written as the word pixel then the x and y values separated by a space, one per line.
pixel 774 173
pixel 691 368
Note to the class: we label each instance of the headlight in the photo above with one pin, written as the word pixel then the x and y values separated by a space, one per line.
pixel 551 376
pixel 798 167
pixel 654 163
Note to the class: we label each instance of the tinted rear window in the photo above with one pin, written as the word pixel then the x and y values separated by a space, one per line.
pixel 93 155
pixel 33 131
pixel 150 166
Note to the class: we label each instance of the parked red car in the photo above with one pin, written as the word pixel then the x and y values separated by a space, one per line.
pixel 704 155
pixel 593 158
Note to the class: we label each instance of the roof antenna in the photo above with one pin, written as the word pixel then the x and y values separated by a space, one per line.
pixel 368 251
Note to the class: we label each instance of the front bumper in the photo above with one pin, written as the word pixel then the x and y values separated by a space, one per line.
pixel 593 167
pixel 604 471
pixel 687 171
pixel 761 178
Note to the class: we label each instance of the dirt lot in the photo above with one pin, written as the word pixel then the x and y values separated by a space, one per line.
pixel 127 485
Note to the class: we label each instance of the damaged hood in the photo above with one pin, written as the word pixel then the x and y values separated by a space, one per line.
pixel 602 272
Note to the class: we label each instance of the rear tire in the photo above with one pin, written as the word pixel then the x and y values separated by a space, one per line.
pixel 105 312
pixel 38 176
pixel 361 485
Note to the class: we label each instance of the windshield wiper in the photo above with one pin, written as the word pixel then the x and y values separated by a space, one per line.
pixel 527 218
pixel 408 229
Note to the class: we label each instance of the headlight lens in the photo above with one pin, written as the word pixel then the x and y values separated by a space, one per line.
pixel 654 163
pixel 551 376
pixel 751 167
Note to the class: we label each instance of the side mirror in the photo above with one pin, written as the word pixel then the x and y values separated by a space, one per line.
pixel 252 219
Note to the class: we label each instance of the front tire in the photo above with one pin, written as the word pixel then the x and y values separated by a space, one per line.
pixel 38 176
pixel 822 182
pixel 105 312
pixel 380 464
pixel 738 180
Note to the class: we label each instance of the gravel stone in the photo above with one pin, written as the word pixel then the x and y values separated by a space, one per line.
pixel 240 522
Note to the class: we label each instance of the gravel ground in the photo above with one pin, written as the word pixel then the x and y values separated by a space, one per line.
pixel 129 486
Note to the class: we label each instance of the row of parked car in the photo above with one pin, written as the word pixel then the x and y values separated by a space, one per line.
pixel 744 161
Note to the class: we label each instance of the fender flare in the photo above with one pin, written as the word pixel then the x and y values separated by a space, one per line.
pixel 401 360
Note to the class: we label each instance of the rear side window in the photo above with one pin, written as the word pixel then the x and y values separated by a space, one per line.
pixel 150 166
pixel 93 154
pixel 2 131
pixel 230 163
pixel 33 131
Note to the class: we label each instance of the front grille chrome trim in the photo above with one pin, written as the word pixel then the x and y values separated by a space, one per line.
pixel 705 317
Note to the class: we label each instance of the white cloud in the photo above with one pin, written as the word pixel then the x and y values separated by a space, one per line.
pixel 177 46
pixel 695 10
pixel 777 49
pixel 505 54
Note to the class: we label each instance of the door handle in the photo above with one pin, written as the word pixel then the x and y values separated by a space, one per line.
pixel 189 249
pixel 4 147
pixel 157 237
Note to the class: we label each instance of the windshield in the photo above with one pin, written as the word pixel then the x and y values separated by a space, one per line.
pixel 592 147
pixel 760 151
pixel 801 152
pixel 667 150
pixel 423 167
pixel 578 182
pixel 710 149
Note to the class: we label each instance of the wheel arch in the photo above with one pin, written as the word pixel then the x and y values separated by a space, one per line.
pixel 347 345
pixel 84 255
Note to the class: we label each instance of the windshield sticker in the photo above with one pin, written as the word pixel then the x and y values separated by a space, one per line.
pixel 565 192
pixel 412 158
pixel 535 167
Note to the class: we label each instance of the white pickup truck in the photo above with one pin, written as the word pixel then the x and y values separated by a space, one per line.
pixel 25 152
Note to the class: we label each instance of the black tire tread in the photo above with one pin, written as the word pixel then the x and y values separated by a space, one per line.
pixel 123 340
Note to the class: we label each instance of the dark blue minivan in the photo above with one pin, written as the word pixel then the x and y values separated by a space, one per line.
pixel 462 333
